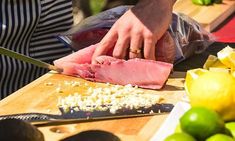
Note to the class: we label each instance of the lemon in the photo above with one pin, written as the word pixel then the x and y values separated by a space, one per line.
pixel 191 75
pixel 220 137
pixel 180 137
pixel 231 127
pixel 233 73
pixel 220 69
pixel 213 61
pixel 216 91
pixel 227 57
pixel 201 123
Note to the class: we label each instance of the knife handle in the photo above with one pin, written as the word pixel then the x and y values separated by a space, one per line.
pixel 30 117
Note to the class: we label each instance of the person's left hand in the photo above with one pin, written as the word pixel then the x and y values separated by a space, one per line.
pixel 135 34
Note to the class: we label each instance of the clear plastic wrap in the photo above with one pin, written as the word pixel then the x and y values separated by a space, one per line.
pixel 188 36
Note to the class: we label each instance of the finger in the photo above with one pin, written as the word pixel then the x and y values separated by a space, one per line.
pixel 149 49
pixel 153 51
pixel 105 45
pixel 120 49
pixel 136 45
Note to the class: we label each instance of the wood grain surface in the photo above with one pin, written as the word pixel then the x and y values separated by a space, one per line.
pixel 209 16
pixel 38 96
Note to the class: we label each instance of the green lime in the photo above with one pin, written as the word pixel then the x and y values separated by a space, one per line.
pixel 198 2
pixel 220 137
pixel 231 127
pixel 178 129
pixel 180 137
pixel 201 123
pixel 207 2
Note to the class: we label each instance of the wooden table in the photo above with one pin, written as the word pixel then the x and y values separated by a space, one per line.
pixel 39 97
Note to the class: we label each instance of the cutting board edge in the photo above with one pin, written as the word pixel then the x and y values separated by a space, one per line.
pixel 220 19
pixel 182 7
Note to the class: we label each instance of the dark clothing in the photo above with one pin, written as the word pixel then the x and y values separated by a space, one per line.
pixel 29 27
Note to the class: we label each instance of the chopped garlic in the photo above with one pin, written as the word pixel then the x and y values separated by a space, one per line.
pixel 76 84
pixel 59 90
pixel 112 98
pixel 49 84
pixel 67 82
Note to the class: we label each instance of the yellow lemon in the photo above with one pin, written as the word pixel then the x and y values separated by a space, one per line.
pixel 227 57
pixel 233 73
pixel 213 61
pixel 220 70
pixel 191 75
pixel 216 91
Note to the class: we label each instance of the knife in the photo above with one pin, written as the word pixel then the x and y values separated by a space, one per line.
pixel 83 116
pixel 28 59
pixel 41 119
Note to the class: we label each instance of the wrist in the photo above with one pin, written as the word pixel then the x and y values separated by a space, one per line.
pixel 155 12
pixel 168 3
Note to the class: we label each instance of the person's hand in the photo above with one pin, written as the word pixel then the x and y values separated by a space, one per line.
pixel 135 34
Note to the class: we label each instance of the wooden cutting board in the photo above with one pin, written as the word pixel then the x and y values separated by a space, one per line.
pixel 41 96
pixel 209 16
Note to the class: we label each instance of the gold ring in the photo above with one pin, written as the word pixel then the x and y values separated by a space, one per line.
pixel 135 51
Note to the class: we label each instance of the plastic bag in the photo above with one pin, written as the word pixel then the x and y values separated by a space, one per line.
pixel 189 37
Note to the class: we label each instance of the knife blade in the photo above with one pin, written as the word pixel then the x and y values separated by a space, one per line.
pixel 28 59
pixel 84 116
pixel 41 119
pixel 73 112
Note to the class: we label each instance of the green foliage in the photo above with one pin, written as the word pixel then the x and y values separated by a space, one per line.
pixel 97 6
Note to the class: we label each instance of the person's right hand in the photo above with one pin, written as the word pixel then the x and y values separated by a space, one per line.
pixel 135 34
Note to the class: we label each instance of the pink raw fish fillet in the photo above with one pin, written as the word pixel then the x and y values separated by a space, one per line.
pixel 143 73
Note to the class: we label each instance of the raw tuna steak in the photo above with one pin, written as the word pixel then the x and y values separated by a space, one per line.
pixel 143 73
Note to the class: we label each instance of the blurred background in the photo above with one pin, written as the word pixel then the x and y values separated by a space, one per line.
pixel 86 8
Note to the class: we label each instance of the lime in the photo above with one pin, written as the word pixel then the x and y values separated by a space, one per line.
pixel 231 127
pixel 180 137
pixel 220 137
pixel 201 123
pixel 199 2
pixel 178 129
pixel 207 2
pixel 214 90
